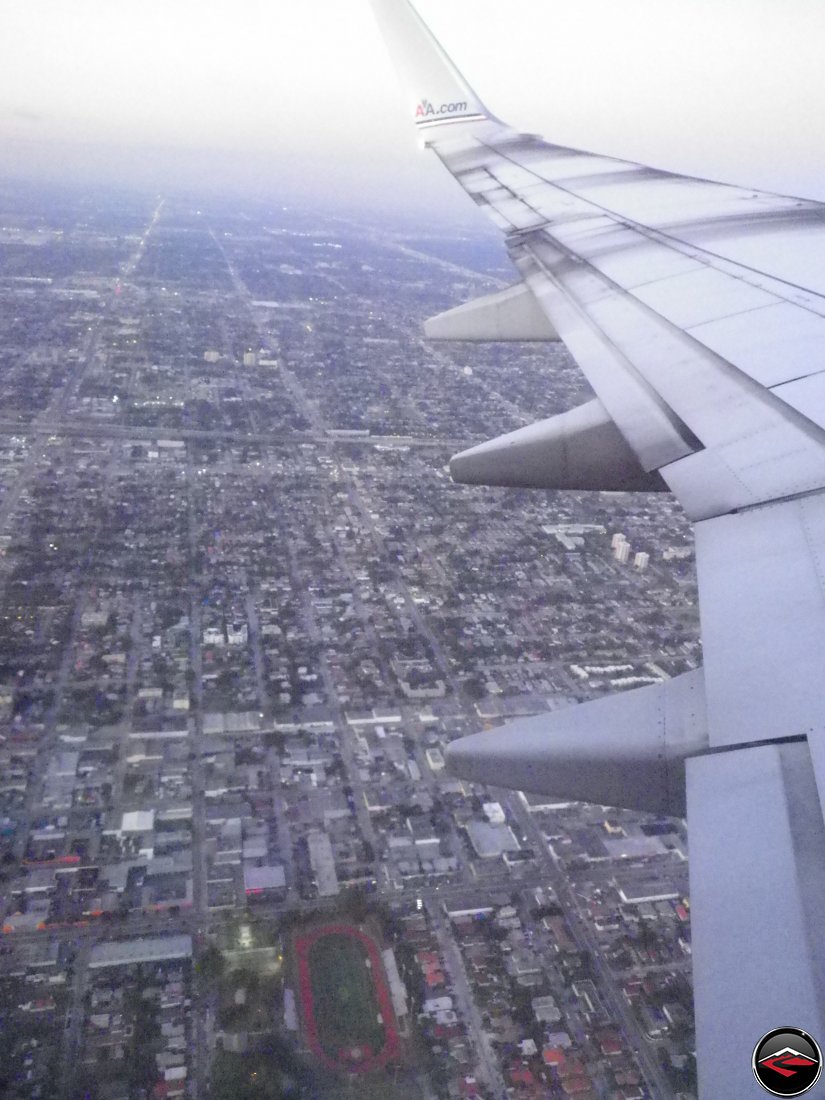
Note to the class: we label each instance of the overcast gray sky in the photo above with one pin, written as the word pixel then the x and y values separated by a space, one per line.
pixel 250 93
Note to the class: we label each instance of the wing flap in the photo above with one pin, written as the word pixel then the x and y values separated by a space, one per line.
pixel 757 886
pixel 762 586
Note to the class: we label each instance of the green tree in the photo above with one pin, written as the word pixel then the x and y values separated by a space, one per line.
pixel 211 965
pixel 355 904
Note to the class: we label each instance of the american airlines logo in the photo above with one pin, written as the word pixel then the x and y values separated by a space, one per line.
pixel 426 110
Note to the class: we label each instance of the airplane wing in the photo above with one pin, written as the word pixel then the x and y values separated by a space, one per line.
pixel 697 312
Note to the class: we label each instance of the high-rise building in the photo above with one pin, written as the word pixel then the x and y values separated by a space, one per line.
pixel 641 560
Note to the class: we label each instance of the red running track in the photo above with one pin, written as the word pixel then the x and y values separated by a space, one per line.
pixel 371 1060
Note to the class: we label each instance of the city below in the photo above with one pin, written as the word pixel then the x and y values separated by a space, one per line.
pixel 245 610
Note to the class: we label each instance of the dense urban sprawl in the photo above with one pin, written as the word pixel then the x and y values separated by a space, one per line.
pixel 244 610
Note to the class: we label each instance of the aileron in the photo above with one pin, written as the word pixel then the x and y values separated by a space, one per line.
pixel 757 881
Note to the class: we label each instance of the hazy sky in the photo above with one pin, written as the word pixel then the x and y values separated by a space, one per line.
pixel 250 93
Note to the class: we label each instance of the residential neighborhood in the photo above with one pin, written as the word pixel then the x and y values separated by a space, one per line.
pixel 245 612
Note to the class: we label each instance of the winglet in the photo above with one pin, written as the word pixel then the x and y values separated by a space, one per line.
pixel 437 93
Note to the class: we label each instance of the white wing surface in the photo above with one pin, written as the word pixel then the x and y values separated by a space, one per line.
pixel 697 312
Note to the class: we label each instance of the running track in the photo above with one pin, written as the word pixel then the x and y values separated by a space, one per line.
pixel 392 1044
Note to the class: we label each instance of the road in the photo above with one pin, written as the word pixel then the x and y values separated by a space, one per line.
pixel 488 1069
pixel 104 429
pixel 585 939
pixel 300 584
pixel 75 1015
pixel 202 998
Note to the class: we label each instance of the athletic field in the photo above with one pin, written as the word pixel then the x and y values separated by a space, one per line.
pixel 345 1001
